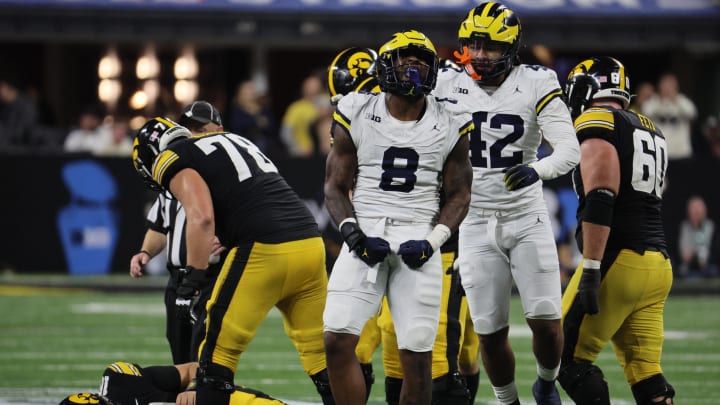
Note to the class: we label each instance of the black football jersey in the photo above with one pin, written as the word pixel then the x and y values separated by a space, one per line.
pixel 252 201
pixel 642 152
pixel 129 384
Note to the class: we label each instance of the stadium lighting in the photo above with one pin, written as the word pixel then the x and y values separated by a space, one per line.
pixel 109 66
pixel 109 91
pixel 139 100
pixel 185 91
pixel 147 66
pixel 152 90
pixel 186 65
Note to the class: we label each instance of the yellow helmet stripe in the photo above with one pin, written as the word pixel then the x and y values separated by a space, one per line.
pixel 331 85
pixel 546 99
pixel 360 86
pixel 170 124
pixel 623 80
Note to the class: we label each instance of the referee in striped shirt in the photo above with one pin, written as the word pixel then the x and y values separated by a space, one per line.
pixel 166 230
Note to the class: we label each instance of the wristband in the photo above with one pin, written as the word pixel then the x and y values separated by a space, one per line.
pixel 146 252
pixel 591 264
pixel 346 220
pixel 439 235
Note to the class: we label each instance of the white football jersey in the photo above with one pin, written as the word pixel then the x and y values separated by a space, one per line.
pixel 510 123
pixel 400 163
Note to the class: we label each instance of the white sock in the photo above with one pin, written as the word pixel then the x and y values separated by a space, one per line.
pixel 506 394
pixel 546 373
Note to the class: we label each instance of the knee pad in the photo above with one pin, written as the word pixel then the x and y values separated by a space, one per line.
pixel 393 386
pixel 322 384
pixel 369 376
pixel 215 384
pixel 450 389
pixel 653 391
pixel 584 383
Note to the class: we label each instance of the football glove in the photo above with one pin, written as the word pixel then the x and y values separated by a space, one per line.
pixel 188 292
pixel 415 253
pixel 520 176
pixel 371 250
pixel 588 291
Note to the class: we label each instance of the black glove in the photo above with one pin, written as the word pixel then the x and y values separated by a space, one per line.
pixel 520 176
pixel 188 292
pixel 371 250
pixel 415 253
pixel 588 291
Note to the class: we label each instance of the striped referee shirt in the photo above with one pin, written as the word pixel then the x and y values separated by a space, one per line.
pixel 167 216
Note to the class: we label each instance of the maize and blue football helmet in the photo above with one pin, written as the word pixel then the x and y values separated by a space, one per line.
pixel 412 80
pixel 596 78
pixel 489 24
pixel 151 139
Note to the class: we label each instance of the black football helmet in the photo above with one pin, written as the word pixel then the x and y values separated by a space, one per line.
pixel 353 69
pixel 86 398
pixel 595 78
pixel 151 139
pixel 390 76
pixel 489 24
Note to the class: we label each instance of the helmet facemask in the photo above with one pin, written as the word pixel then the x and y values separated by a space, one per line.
pixel 489 25
pixel 407 65
pixel 143 158
pixel 409 72
pixel 485 70
pixel 579 91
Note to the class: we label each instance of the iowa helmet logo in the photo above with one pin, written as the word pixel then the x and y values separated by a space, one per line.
pixel 85 398
pixel 351 70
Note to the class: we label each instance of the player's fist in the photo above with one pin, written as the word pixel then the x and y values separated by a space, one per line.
pixel 415 253
pixel 520 176
pixel 588 288
pixel 371 250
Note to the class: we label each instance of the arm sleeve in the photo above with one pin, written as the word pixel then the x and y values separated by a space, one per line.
pixel 164 378
pixel 557 129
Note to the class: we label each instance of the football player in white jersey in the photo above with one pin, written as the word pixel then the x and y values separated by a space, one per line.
pixel 393 150
pixel 507 235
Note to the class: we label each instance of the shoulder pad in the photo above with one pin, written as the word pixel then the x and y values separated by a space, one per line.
pixel 595 117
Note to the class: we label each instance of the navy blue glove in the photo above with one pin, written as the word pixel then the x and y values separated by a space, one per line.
pixel 587 292
pixel 371 250
pixel 188 292
pixel 520 176
pixel 415 253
